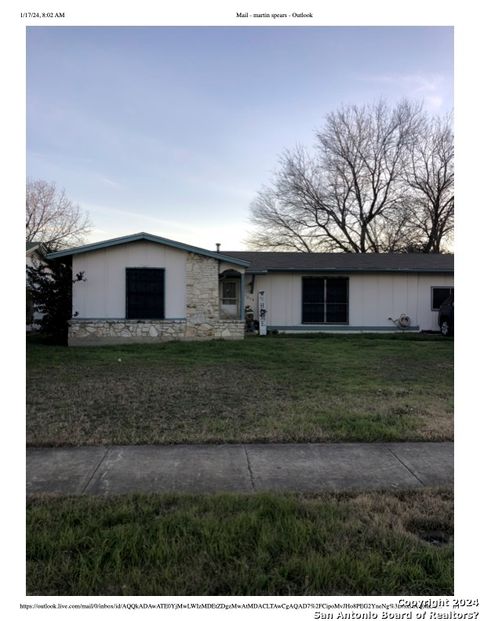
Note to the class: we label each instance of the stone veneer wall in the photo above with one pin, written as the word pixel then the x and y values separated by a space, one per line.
pixel 121 331
pixel 202 316
pixel 202 289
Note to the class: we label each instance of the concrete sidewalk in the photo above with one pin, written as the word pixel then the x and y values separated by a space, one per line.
pixel 238 468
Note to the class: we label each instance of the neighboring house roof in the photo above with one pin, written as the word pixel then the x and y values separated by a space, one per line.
pixel 32 246
pixel 117 241
pixel 261 262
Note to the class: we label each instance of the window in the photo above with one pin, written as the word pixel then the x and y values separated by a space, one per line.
pixel 229 292
pixel 439 295
pixel 325 300
pixel 145 293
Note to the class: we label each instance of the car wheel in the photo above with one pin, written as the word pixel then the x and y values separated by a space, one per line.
pixel 445 328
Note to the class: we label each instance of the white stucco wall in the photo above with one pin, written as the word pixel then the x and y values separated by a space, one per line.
pixel 373 298
pixel 102 295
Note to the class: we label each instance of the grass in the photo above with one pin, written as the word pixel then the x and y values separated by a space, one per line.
pixel 296 389
pixel 378 543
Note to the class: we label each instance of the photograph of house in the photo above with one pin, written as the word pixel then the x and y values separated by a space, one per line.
pixel 253 396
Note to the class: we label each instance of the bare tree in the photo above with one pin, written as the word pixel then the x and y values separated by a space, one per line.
pixel 429 176
pixel 351 194
pixel 52 218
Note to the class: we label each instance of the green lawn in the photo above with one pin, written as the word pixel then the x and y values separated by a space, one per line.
pixel 274 389
pixel 390 543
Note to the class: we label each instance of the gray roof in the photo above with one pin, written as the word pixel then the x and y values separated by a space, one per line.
pixel 261 262
pixel 343 262
pixel 34 246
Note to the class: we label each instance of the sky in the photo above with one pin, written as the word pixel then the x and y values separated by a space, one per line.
pixel 173 130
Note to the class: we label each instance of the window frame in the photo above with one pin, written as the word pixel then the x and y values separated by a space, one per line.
pixel 144 268
pixel 326 279
pixel 234 282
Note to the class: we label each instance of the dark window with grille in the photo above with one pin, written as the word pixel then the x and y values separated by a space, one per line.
pixel 325 300
pixel 439 295
pixel 145 293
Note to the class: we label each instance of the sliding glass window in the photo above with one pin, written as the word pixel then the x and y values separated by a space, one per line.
pixel 325 300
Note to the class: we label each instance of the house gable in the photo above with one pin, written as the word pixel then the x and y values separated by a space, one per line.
pixel 119 241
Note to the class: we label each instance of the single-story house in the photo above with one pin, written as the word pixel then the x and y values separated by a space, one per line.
pixel 145 288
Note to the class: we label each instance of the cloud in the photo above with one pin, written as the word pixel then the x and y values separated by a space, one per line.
pixel 416 81
pixel 113 222
pixel 429 87
pixel 110 183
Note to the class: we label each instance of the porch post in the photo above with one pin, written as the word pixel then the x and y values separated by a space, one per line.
pixel 242 296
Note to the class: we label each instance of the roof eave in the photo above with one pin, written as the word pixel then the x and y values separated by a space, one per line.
pixel 357 270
